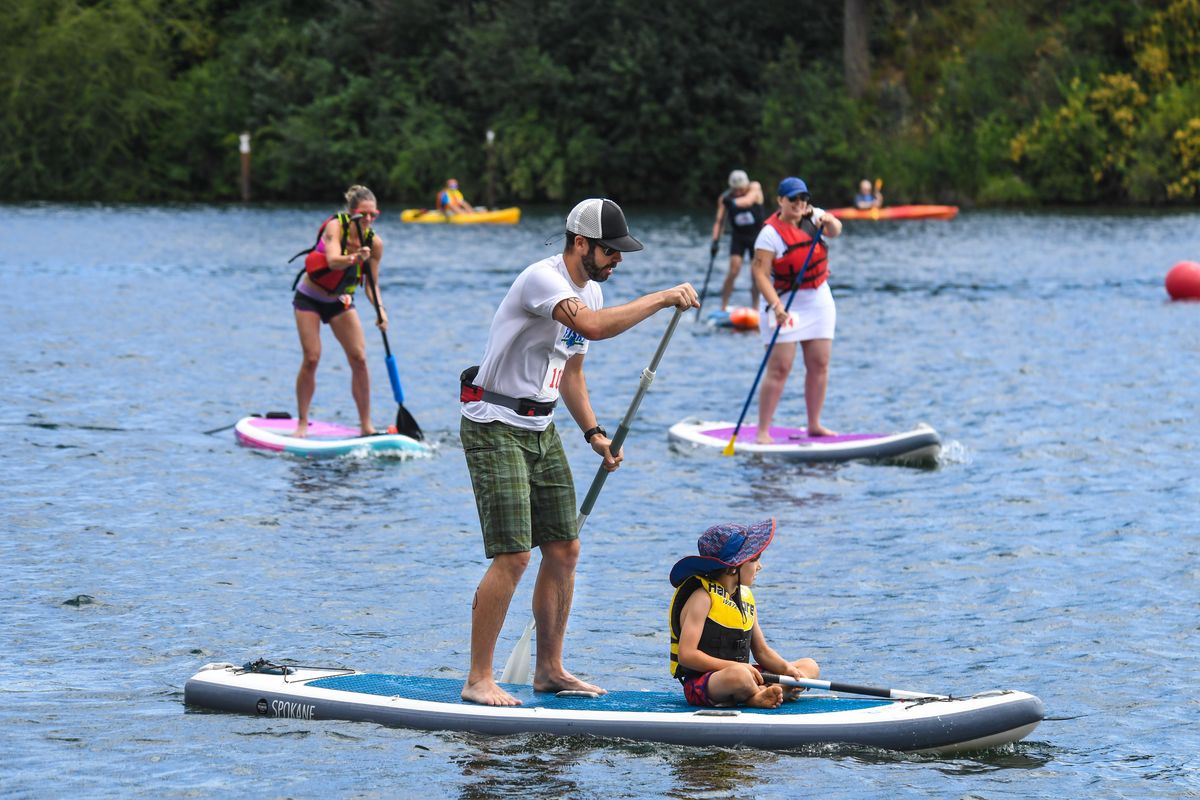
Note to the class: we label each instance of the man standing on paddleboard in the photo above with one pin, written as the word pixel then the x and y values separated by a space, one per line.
pixel 519 472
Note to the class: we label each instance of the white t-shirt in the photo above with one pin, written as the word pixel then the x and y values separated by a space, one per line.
pixel 769 238
pixel 527 349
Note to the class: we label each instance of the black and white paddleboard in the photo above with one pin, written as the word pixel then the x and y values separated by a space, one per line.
pixel 942 725
pixel 919 445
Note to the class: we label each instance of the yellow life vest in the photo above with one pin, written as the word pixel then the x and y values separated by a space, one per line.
pixel 727 629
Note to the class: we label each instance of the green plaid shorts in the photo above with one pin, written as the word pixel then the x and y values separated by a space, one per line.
pixel 523 486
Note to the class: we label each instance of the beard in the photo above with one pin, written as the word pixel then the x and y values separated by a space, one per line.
pixel 594 271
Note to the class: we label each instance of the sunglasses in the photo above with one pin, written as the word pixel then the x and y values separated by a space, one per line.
pixel 803 197
pixel 369 215
pixel 608 251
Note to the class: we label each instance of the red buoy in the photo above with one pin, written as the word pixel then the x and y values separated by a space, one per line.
pixel 743 318
pixel 1183 281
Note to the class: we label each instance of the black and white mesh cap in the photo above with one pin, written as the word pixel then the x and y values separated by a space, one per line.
pixel 602 219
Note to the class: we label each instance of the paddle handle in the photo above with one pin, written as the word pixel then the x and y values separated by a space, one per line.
pixel 618 439
pixel 849 688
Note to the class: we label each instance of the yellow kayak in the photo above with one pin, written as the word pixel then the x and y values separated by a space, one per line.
pixel 498 216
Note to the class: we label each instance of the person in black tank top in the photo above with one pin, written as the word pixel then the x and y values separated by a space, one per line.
pixel 742 205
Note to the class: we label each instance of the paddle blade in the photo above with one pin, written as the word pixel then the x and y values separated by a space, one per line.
pixel 516 669
pixel 405 424
pixel 728 451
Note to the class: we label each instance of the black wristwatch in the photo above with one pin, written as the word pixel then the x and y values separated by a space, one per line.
pixel 588 434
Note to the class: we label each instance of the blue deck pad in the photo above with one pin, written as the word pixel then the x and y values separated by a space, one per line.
pixel 447 690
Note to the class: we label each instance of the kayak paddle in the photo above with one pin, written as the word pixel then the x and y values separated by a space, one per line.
pixel 849 688
pixel 405 424
pixel 795 287
pixel 516 669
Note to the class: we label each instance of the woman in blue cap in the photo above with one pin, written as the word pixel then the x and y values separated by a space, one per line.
pixel 782 263
pixel 714 622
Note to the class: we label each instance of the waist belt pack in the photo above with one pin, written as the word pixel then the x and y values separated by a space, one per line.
pixel 470 393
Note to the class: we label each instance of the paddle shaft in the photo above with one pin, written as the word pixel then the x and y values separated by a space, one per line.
pixel 393 373
pixel 849 688
pixel 623 429
pixel 516 669
pixel 703 292
pixel 374 293
pixel 712 257
pixel 406 424
pixel 766 356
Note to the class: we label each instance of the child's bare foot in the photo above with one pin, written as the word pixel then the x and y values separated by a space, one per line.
pixel 766 697
pixel 488 693
pixel 820 430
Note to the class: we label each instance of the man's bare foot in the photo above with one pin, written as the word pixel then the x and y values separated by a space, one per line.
pixel 563 682
pixel 487 693
pixel 766 697
pixel 301 430
pixel 820 430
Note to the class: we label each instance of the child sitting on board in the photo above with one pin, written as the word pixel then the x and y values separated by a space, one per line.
pixel 714 623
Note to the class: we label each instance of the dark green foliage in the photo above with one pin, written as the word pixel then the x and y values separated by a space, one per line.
pixel 969 100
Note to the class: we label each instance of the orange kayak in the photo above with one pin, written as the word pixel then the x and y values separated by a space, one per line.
pixel 897 212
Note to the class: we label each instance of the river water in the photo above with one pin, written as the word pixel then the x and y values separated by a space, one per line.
pixel 1053 548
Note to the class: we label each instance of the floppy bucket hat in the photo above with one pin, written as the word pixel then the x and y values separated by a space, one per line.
pixel 724 545
pixel 603 220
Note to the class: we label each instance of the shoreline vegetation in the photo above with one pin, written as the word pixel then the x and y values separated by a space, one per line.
pixel 959 101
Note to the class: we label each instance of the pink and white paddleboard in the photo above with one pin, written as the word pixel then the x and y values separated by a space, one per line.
pixel 324 439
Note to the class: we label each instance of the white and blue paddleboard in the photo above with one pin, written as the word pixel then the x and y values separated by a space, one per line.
pixel 943 725
pixel 324 439
pixel 917 446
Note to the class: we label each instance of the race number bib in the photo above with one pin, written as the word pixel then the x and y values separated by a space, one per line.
pixel 792 321
pixel 554 373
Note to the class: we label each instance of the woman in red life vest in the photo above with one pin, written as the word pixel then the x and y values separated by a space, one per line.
pixel 780 253
pixel 334 270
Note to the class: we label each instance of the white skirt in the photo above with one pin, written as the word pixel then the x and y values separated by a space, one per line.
pixel 812 316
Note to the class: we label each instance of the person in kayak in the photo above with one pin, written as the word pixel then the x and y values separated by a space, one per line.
pixel 450 200
pixel 326 295
pixel 868 196
pixel 714 622
pixel 519 472
pixel 742 205
pixel 780 253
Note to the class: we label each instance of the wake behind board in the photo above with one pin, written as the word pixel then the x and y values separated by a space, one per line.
pixel 944 725
pixel 324 440
pixel 921 444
